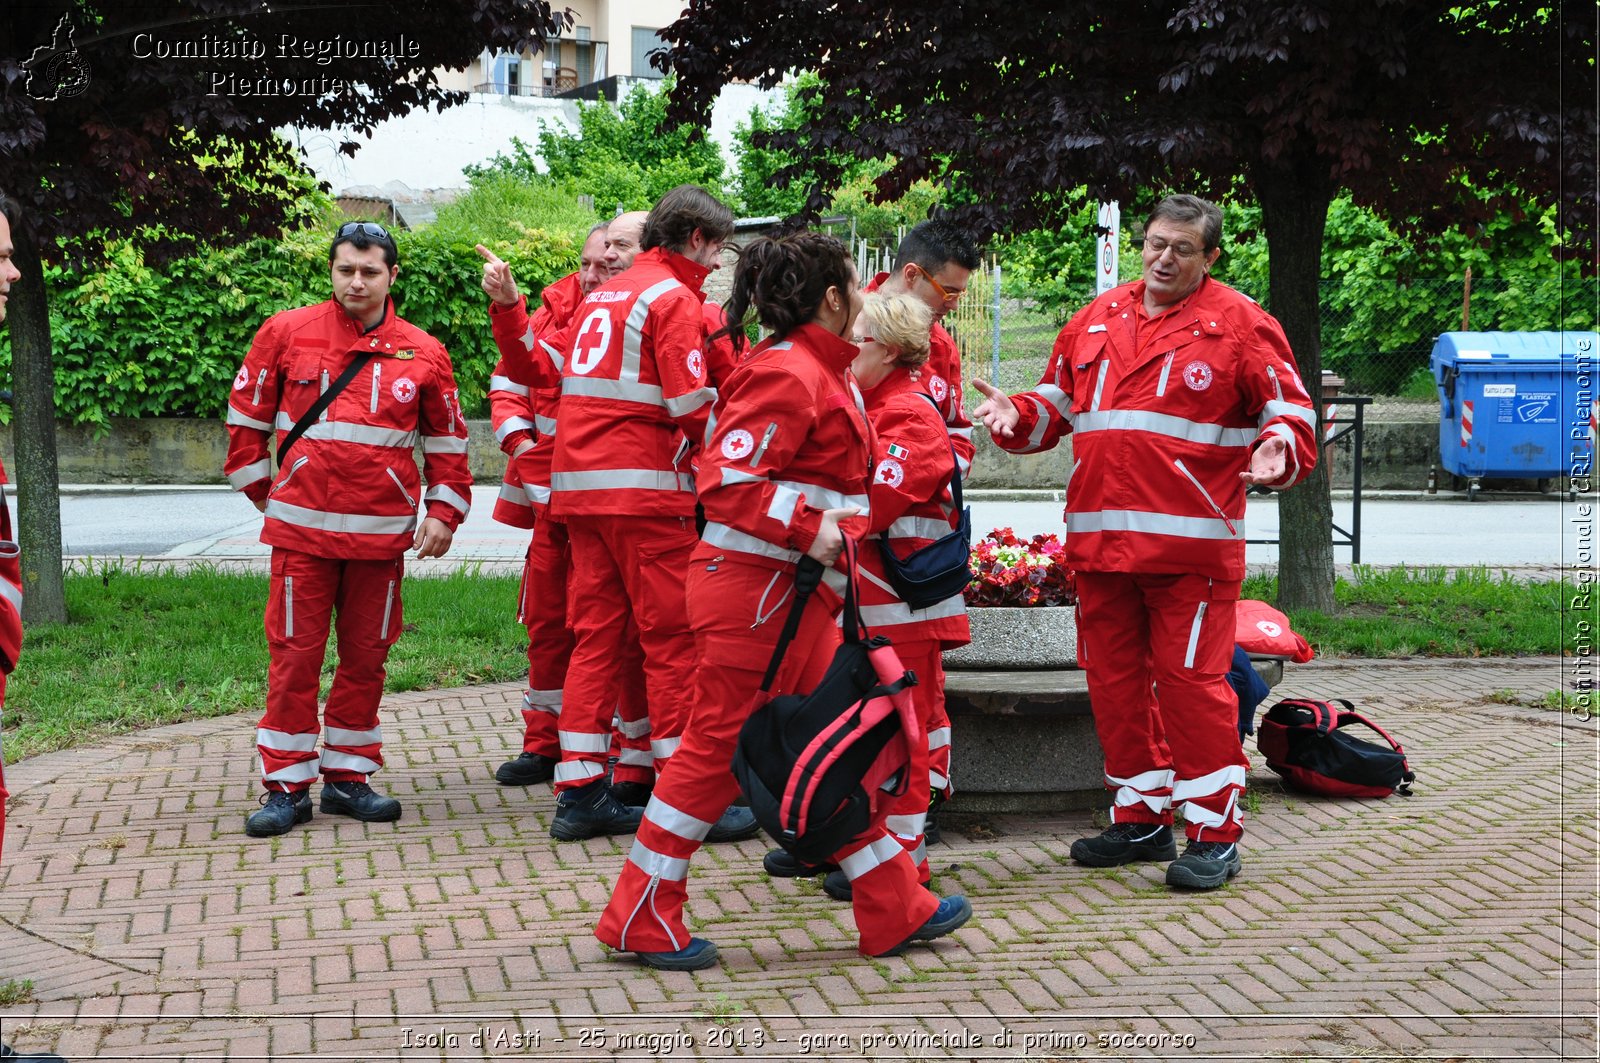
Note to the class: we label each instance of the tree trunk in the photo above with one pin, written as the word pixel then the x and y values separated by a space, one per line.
pixel 33 431
pixel 1294 212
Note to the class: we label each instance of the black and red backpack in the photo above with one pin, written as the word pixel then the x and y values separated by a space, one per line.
pixel 1305 742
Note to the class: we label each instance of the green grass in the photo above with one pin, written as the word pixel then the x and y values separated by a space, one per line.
pixel 149 648
pixel 1431 612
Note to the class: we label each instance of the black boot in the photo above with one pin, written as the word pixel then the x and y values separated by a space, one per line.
pixel 590 810
pixel 358 801
pixel 279 812
pixel 526 770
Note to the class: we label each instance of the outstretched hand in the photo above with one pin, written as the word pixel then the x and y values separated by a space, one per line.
pixel 1269 462
pixel 997 412
pixel 498 283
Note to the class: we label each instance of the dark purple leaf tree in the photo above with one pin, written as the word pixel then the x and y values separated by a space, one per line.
pixel 120 117
pixel 1412 106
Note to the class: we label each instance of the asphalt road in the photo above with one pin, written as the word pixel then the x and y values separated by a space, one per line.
pixel 1422 530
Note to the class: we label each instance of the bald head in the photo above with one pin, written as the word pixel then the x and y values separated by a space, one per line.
pixel 622 239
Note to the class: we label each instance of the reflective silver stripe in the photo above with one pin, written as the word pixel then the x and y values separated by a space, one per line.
pixel 676 821
pixel 545 701
pixel 938 738
pixel 239 420
pixel 874 855
pixel 545 425
pixel 825 497
pixel 1194 634
pixel 579 771
pixel 584 742
pixel 1056 397
pixel 620 390
pixel 338 736
pixel 636 758
pixel 959 433
pixel 1163 424
pixel 513 495
pixel 907 827
pixel 663 748
pixel 12 594
pixel 352 523
pixel 442 493
pixel 1147 788
pixel 784 501
pixel 288 602
pixel 537 493
pixel 901 613
pixel 507 385
pixel 283 742
pixel 721 535
pixel 919 528
pixel 1275 409
pixel 350 432
pixel 333 758
pixel 557 359
pixel 691 401
pixel 633 328
pixel 1134 520
pixel 739 476
pixel 388 608
pixel 622 479
pixel 1099 385
pixel 302 771
pixel 1206 785
pixel 937 781
pixel 657 865
pixel 248 475
pixel 444 444
pixel 1193 813
pixel 634 728
pixel 1042 422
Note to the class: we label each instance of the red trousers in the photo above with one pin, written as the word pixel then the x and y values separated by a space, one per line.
pixel 908 814
pixel 1156 651
pixel 625 590
pixel 305 594
pixel 646 909
pixel 542 609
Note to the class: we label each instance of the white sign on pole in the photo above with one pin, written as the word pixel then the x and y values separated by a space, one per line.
pixel 1105 274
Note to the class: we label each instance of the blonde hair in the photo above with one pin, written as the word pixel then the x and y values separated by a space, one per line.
pixel 901 323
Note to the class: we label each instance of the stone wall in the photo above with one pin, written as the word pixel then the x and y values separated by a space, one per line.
pixel 185 451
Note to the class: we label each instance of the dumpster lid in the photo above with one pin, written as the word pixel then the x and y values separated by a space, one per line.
pixel 1524 348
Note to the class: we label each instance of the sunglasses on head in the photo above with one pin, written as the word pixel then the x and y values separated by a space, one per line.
pixel 370 228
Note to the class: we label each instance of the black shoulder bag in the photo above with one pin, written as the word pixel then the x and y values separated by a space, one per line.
pixel 323 402
pixel 932 573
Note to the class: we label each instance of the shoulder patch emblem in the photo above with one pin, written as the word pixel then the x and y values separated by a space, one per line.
pixel 889 472
pixel 1197 375
pixel 937 387
pixel 404 390
pixel 737 443
pixel 696 363
pixel 241 381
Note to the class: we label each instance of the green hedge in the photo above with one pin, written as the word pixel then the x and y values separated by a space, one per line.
pixel 136 340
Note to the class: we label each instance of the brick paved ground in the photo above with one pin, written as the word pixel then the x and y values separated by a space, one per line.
pixel 1457 924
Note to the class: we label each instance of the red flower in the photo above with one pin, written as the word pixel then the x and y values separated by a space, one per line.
pixel 1008 571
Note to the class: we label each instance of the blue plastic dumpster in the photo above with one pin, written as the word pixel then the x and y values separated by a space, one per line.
pixel 1517 405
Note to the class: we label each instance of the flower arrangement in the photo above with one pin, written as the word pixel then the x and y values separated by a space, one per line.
pixel 1007 570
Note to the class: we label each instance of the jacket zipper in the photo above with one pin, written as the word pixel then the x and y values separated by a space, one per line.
pixel 1277 387
pixel 403 492
pixel 388 604
pixel 1194 634
pixel 1206 495
pixel 293 468
pixel 766 438
pixel 288 607
pixel 261 382
pixel 377 375
pixel 1166 367
pixel 323 391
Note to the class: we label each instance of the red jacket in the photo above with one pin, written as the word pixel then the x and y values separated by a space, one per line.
pixel 1165 415
pixel 911 500
pixel 720 358
pixel 635 394
pixel 520 412
pixel 10 591
pixel 351 488
pixel 941 378
pixel 788 440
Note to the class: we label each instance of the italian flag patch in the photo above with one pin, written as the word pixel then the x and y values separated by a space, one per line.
pixel 897 451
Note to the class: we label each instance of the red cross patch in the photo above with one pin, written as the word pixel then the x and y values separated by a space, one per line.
pixel 890 472
pixel 404 390
pixel 1197 375
pixel 241 381
pixel 696 363
pixel 737 443
pixel 937 387
pixel 594 340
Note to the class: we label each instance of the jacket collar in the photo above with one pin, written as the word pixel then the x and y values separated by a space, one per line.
pixel 832 351
pixel 898 381
pixel 356 328
pixel 691 273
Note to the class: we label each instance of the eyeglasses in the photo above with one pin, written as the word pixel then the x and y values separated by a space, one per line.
pixel 944 293
pixel 1157 245
pixel 370 228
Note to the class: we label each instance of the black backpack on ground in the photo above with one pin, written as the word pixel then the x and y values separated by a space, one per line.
pixel 1305 742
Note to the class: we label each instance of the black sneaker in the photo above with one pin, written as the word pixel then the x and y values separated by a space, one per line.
pixel 590 810
pixel 1123 843
pixel 781 863
pixel 1205 865
pixel 280 811
pixel 527 769
pixel 7 1052
pixel 358 801
pixel 734 825
pixel 632 793
pixel 836 884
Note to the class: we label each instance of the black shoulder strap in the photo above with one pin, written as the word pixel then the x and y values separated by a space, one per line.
pixel 807 574
pixel 323 402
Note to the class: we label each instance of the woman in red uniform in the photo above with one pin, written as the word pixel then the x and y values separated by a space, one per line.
pixel 787 459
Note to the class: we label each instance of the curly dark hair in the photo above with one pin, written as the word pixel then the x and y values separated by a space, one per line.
pixel 783 279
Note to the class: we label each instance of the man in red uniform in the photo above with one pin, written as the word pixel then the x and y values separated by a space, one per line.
pixel 10 571
pixel 1179 392
pixel 340 514
pixel 635 398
